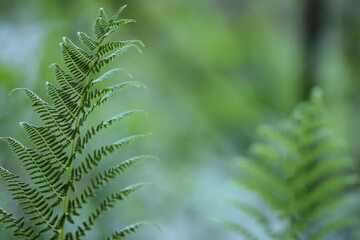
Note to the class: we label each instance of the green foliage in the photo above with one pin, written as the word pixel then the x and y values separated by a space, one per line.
pixel 301 172
pixel 57 163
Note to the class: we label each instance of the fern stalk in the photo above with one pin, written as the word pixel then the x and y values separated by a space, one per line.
pixel 68 177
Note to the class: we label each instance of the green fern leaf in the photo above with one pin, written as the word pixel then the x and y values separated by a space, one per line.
pixel 67 82
pixel 108 75
pixel 117 14
pixel 90 133
pixel 300 171
pixel 39 169
pixel 57 162
pixel 87 41
pixel 106 205
pixel 256 214
pixel 242 231
pixel 101 179
pixel 64 103
pixel 114 55
pixel 131 229
pixel 334 226
pixel 119 46
pixel 18 226
pixel 93 159
pixel 30 199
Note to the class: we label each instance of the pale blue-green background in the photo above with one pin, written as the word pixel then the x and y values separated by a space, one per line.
pixel 215 69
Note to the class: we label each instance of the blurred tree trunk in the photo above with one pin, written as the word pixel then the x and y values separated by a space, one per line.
pixel 351 31
pixel 350 22
pixel 313 20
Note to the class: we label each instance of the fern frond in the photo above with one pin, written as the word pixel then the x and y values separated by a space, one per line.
pixel 49 116
pixel 334 226
pixel 333 165
pixel 120 22
pixel 64 103
pixel 18 226
pixel 272 157
pixel 30 200
pixel 131 229
pixel 107 75
pixel 103 15
pixel 313 216
pixel 90 133
pixel 101 179
pixel 76 63
pixel 106 205
pixel 256 214
pixel 49 201
pixel 100 28
pixel 103 27
pixel 40 170
pixel 87 41
pixel 299 169
pixel 126 46
pixel 259 179
pixel 111 91
pixel 49 145
pixel 237 228
pixel 325 190
pixel 117 14
pixel 78 53
pixel 67 82
pixel 103 96
pixel 93 159
pixel 118 46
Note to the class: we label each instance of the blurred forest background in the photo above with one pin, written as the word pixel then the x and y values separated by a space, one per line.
pixel 215 70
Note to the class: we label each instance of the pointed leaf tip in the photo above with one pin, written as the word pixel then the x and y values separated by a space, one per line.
pixel 14 90
pixel 140 84
pixel 52 65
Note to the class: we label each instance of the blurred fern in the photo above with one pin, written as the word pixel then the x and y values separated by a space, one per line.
pixel 58 162
pixel 301 173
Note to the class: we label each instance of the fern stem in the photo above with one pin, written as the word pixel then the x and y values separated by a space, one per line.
pixel 72 152
pixel 68 178
pixel 73 140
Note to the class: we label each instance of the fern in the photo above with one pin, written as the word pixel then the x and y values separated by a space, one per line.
pixel 301 173
pixel 57 162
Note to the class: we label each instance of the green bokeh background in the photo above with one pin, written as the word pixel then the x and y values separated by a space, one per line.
pixel 215 70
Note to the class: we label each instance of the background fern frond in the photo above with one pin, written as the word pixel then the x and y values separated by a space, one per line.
pixel 302 173
pixel 239 229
